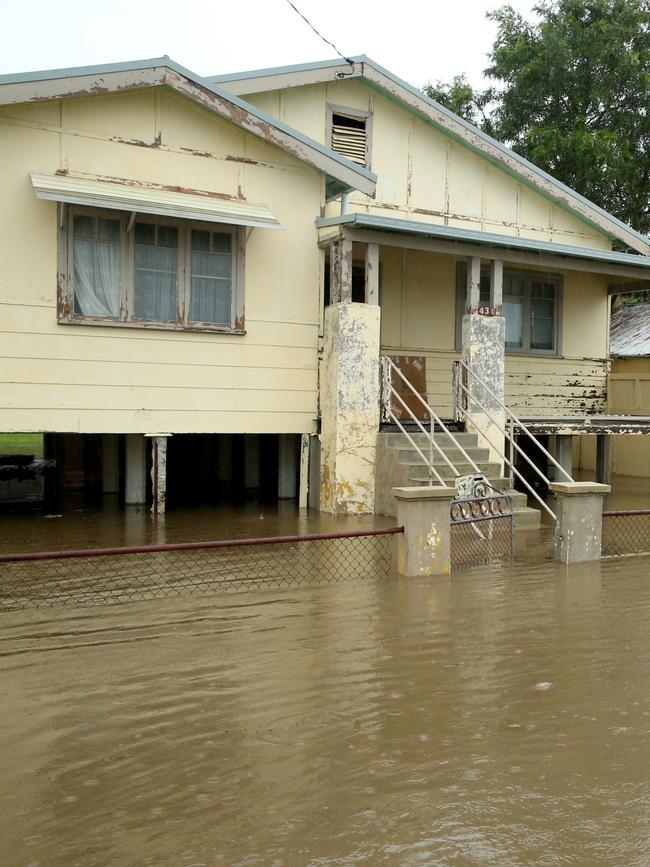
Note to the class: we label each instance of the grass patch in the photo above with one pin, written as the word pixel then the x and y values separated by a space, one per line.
pixel 21 444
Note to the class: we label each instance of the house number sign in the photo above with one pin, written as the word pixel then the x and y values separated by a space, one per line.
pixel 484 310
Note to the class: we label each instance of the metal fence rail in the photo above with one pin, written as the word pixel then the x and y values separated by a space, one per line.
pixel 626 533
pixel 103 576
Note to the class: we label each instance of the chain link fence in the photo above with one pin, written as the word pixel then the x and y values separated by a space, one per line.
pixel 626 533
pixel 115 575
pixel 482 531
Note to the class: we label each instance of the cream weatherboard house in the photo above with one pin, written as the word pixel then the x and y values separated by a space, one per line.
pixel 185 259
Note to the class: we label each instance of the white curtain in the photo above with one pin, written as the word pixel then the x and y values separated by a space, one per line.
pixel 96 277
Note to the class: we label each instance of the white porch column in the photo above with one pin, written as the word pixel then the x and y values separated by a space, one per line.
pixel 136 484
pixel 349 399
pixel 110 464
pixel 484 337
pixel 287 466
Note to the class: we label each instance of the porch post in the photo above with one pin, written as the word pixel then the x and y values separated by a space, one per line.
pixel 484 353
pixel 159 473
pixel 135 487
pixel 349 401
pixel 604 458
pixel 341 271
pixel 372 273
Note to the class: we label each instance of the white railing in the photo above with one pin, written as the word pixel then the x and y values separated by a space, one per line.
pixel 389 394
pixel 464 378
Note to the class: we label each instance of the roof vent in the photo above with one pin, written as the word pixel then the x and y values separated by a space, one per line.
pixel 349 137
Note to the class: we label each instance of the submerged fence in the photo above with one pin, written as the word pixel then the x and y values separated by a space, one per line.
pixel 482 531
pixel 626 533
pixel 113 575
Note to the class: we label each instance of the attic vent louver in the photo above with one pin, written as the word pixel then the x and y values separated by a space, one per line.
pixel 349 137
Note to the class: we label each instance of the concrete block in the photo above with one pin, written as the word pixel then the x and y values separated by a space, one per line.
pixel 579 524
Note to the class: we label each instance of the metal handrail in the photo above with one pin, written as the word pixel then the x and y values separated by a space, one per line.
pixel 510 461
pixel 517 421
pixel 508 436
pixel 417 421
pixel 388 366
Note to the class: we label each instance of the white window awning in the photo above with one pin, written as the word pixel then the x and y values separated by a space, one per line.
pixel 152 199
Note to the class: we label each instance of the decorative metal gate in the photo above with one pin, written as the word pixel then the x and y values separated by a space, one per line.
pixel 482 524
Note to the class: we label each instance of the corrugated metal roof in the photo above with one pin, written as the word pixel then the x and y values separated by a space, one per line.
pixel 431 230
pixel 526 166
pixel 630 331
pixel 151 200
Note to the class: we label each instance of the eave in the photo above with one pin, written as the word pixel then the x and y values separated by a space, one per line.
pixel 452 240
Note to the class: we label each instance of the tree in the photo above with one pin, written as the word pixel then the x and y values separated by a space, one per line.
pixel 573 97
pixel 463 100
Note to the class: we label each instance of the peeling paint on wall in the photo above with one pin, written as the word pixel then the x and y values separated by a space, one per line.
pixel 349 408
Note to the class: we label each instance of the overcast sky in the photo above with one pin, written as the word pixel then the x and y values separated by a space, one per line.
pixel 418 40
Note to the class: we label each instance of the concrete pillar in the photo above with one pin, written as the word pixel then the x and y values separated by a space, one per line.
pixel 313 493
pixel 603 458
pixel 484 353
pixel 110 463
pixel 578 529
pixel 303 495
pixel 563 454
pixel 287 466
pixel 159 474
pixel 135 492
pixel 424 548
pixel 484 341
pixel 349 397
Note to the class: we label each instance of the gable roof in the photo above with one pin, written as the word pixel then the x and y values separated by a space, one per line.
pixel 629 334
pixel 256 81
pixel 342 174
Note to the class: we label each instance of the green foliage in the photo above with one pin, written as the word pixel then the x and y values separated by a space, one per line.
pixel 463 100
pixel 21 444
pixel 572 95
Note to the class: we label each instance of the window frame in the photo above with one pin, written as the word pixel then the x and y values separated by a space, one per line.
pixel 357 114
pixel 555 278
pixel 66 314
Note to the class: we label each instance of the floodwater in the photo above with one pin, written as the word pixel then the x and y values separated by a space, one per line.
pixel 499 717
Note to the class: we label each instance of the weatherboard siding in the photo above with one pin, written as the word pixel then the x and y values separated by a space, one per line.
pixel 424 174
pixel 98 378
pixel 418 299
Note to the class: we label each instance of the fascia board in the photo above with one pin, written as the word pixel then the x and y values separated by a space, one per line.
pixel 486 239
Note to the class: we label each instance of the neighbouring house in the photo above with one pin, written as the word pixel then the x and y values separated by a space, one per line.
pixel 186 259
pixel 629 391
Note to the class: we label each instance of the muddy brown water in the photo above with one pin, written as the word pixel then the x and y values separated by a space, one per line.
pixel 498 717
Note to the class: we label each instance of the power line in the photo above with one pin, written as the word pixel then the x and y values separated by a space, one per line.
pixel 320 35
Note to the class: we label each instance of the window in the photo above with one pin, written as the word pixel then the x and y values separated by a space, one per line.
pixel 531 307
pixel 349 133
pixel 173 273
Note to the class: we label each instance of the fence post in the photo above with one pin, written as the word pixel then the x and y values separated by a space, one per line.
pixel 579 525
pixel 424 548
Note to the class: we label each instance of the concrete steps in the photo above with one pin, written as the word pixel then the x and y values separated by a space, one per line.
pixel 399 465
